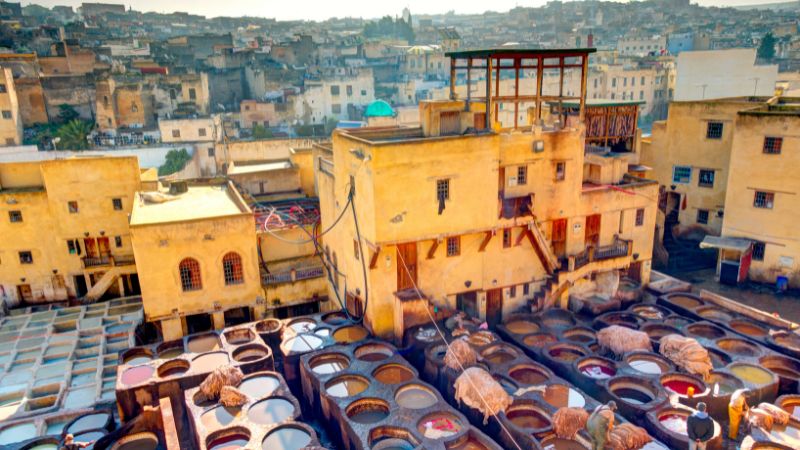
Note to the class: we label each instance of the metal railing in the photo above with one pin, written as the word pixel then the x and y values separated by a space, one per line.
pixel 615 250
pixel 96 261
pixel 290 276
pixel 597 149
pixel 618 249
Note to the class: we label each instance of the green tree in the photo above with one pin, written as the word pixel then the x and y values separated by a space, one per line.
pixel 261 132
pixel 67 113
pixel 74 135
pixel 176 161
pixel 304 130
pixel 766 49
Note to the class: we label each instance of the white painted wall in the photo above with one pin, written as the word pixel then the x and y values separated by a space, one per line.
pixel 723 73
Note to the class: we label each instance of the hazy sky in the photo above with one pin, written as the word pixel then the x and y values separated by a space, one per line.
pixel 323 9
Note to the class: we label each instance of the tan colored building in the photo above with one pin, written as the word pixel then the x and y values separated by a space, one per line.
pixel 253 113
pixel 64 228
pixel 489 223
pixel 123 105
pixel 10 119
pixel 200 129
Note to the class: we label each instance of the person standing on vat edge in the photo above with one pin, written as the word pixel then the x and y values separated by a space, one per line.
pixel 699 428
pixel 736 409
pixel 600 424
pixel 70 444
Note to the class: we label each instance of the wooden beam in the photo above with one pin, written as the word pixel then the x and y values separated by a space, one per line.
pixel 486 238
pixel 432 249
pixel 489 93
pixel 373 261
pixel 452 79
pixel 520 237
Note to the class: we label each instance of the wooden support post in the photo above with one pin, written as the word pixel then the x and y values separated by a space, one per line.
pixel 468 106
pixel 584 75
pixel 453 78
pixel 516 92
pixel 497 90
pixel 487 237
pixel 539 75
pixel 521 236
pixel 489 93
pixel 432 249
pixel 373 261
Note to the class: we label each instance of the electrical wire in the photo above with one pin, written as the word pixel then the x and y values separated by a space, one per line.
pixel 310 240
pixel 447 343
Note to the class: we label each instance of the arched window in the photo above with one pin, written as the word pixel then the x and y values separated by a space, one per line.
pixel 232 268
pixel 189 269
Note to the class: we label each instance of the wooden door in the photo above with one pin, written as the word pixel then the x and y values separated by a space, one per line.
pixel 479 121
pixel 449 123
pixel 24 291
pixel 559 237
pixel 103 247
pixel 406 266
pixel 593 230
pixel 91 247
pixel 494 306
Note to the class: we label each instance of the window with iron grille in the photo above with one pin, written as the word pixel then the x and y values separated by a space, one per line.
pixel 763 199
pixel 507 238
pixel 443 189
pixel 189 270
pixel 702 216
pixel 454 246
pixel 232 269
pixel 681 174
pixel 705 178
pixel 201 132
pixel 117 202
pixel 25 257
pixel 758 251
pixel 714 130
pixel 773 145
pixel 522 174
pixel 640 217
pixel 15 216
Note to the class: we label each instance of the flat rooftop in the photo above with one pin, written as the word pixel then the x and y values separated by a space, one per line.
pixel 272 166
pixel 199 202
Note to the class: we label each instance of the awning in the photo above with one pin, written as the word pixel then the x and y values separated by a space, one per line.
pixel 726 243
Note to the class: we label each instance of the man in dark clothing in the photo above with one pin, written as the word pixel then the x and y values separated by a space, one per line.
pixel 700 428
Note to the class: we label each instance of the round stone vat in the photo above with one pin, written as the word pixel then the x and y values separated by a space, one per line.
pixel 580 335
pixel 622 319
pixel 136 375
pixel 16 433
pixel 668 425
pixel 684 301
pixel 790 341
pixel 271 411
pixel 722 384
pixel 392 438
pixel 329 363
pixel 561 395
pixel 790 404
pixel 748 328
pixel 705 331
pixel 678 322
pixel 301 343
pixel 373 352
pixel 596 367
pixel 565 353
pixel 557 443
pixel 674 420
pixel 499 354
pixel 259 386
pixel 137 441
pixel 207 362
pixel 202 343
pixel 288 437
pixel 719 359
pixel 228 439
pixel 509 386
pixel 634 395
pixel 415 396
pixel 787 369
pixel 170 350
pixel 393 374
pixel 539 340
pixel 302 325
pixel 445 423
pixel 44 443
pixel 367 411
pixel 682 384
pixel 91 421
pixel 251 352
pixel 173 367
pixel 658 330
pixel 346 386
pixel 529 374
pixel 323 331
pixel 219 417
pixel 334 318
pixel 714 313
pixel 650 312
pixel 751 374
pixel 739 347
pixel 90 436
pixel 528 416
pixel 270 325
pixel 349 334
pixel 522 326
pixel 469 441
pixel 557 319
pixel 648 363
pixel 239 336
pixel 137 356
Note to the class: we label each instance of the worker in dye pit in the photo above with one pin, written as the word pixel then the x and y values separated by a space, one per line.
pixel 70 444
pixel 699 428
pixel 600 424
pixel 736 409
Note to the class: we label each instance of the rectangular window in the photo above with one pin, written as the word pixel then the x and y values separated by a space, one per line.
pixel 526 289
pixel 561 171
pixel 25 258
pixel 210 152
pixel 454 246
pixel 349 90
pixel 201 132
pixel 336 108
pixel 72 207
pixel 681 174
pixel 625 82
pixel 6 114
pixel 443 189
pixel 714 130
pixel 334 90
pixel 15 216
pixel 640 217
pixel 117 202
pixel 613 82
pixel 702 216
pixel 192 94
pixel 118 241
pixel 522 175
pixel 72 247
pixel 758 251
pixel 3 89
pixel 763 200
pixel 512 292
pixel 642 81
pixel 705 178
pixel 176 133
pixel 641 95
pixel 363 92
pixel 773 145
pixel 507 238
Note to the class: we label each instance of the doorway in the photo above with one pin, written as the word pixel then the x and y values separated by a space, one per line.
pixel 103 248
pixel 91 248
pixel 196 323
pixel 406 266
pixel 237 316
pixel 593 230
pixel 24 293
pixel 468 303
pixel 673 210
pixel 494 306
pixel 80 286
pixel 559 237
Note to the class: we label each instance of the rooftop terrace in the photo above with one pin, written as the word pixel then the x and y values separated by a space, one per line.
pixel 198 202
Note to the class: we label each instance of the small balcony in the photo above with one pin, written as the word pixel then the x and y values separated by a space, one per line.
pixel 90 262
pixel 619 248
pixel 292 275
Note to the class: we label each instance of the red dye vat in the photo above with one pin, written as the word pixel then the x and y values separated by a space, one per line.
pixel 136 375
pixel 232 442
pixel 598 371
pixel 681 387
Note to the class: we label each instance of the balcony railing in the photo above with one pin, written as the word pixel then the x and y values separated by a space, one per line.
pixel 123 260
pixel 615 250
pixel 290 276
pixel 96 261
pixel 618 249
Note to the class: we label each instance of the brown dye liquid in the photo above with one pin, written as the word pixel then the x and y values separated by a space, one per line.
pixel 251 354
pixel 368 416
pixel 219 417
pixel 209 361
pixel 526 418
pixel 580 337
pixel 272 410
pixel 715 314
pixel 171 353
pixel 686 302
pixel 393 374
pixel 346 387
pixel 783 372
pixel 347 335
pixel 527 375
pixel 139 444
pixel 748 329
pixel 562 444
pixel 522 327
pixel 286 438
pixel 373 356
pixel 415 398
pixel 565 354
pixel 201 344
pixel 499 357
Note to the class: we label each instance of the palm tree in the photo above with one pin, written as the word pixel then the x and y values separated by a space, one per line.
pixel 75 135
